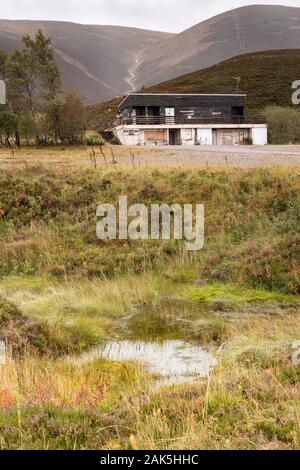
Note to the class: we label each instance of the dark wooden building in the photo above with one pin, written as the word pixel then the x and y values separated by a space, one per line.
pixel 181 109
pixel 187 119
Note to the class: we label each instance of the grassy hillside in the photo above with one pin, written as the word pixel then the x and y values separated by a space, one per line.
pixel 48 223
pixel 266 78
pixel 101 115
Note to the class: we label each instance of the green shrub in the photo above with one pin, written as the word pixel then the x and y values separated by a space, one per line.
pixel 284 125
pixel 248 141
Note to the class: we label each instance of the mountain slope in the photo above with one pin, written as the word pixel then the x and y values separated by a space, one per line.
pixel 106 61
pixel 247 29
pixel 98 61
pixel 266 77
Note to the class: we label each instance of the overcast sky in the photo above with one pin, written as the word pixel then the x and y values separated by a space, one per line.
pixel 165 15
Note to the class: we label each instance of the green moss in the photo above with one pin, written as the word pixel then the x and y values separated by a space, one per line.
pixel 28 283
pixel 230 294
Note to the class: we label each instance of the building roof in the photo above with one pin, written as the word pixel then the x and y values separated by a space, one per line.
pixel 182 100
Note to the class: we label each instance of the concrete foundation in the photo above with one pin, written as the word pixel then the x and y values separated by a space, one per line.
pixel 185 135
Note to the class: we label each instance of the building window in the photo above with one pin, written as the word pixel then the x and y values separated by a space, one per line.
pixel 131 131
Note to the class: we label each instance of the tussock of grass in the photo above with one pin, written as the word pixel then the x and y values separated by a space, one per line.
pixel 90 299
pixel 23 333
pixel 77 314
pixel 211 330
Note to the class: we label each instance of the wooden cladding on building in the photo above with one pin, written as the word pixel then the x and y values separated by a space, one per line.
pixel 183 101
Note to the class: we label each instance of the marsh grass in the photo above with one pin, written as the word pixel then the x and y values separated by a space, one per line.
pixel 47 403
pixel 80 314
pixel 251 400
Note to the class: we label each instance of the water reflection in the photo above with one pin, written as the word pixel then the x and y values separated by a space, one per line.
pixel 174 361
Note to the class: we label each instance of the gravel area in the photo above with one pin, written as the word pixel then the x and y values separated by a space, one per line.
pixel 144 157
pixel 245 156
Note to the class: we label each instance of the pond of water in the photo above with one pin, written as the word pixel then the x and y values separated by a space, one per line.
pixel 161 338
pixel 172 339
pixel 173 361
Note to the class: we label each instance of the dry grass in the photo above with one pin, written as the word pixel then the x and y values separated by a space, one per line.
pixel 34 381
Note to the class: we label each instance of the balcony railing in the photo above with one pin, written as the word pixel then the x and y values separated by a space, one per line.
pixel 148 120
pixel 171 120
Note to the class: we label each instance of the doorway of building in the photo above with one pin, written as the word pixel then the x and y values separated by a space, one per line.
pixel 214 137
pixel 174 137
